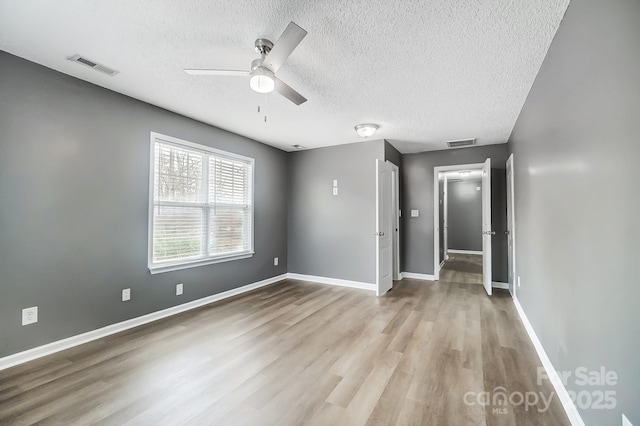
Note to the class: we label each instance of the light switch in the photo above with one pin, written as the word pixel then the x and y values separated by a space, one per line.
pixel 335 182
pixel 415 213
pixel 335 190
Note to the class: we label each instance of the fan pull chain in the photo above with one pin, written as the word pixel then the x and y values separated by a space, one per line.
pixel 265 105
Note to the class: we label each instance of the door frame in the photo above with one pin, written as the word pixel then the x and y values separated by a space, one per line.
pixel 436 210
pixel 445 222
pixel 511 211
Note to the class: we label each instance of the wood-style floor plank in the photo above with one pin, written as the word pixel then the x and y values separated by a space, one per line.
pixel 299 353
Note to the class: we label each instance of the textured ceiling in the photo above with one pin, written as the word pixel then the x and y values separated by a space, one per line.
pixel 425 71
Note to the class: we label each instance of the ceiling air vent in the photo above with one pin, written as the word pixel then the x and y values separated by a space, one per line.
pixel 93 64
pixel 461 142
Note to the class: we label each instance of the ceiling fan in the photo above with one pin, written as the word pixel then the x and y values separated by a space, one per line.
pixel 263 69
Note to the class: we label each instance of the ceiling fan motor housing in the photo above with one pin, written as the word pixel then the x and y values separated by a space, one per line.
pixel 256 63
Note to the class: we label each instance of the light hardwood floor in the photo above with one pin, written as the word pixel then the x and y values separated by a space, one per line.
pixel 297 353
pixel 462 268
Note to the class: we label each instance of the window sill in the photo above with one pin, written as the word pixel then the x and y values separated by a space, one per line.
pixel 160 268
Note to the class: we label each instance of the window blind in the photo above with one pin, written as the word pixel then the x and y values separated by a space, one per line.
pixel 202 205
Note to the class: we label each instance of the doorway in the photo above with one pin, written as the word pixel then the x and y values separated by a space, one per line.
pixel 462 223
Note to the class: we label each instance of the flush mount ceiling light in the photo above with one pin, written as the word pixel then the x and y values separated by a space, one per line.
pixel 262 80
pixel 366 130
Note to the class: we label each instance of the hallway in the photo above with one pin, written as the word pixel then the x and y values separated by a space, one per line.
pixel 462 268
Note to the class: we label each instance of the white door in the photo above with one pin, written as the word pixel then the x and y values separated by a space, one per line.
pixel 486 226
pixel 384 221
pixel 395 220
pixel 510 226
pixel 445 211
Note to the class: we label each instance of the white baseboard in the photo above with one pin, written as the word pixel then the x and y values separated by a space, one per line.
pixel 561 391
pixel 415 276
pixel 60 345
pixel 497 284
pixel 333 281
pixel 464 251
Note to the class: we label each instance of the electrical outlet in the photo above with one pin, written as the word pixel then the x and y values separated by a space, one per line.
pixel 126 294
pixel 275 261
pixel 30 315
pixel 335 182
pixel 335 190
pixel 518 280
pixel 179 289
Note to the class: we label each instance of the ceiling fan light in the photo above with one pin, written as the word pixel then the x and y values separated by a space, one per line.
pixel 366 130
pixel 262 80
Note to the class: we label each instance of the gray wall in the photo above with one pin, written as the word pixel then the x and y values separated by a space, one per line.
pixel 465 215
pixel 576 150
pixel 332 236
pixel 74 187
pixel 418 194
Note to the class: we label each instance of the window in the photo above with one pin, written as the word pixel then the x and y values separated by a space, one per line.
pixel 201 205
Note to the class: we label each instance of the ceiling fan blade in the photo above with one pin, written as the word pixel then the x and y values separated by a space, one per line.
pixel 285 90
pixel 288 41
pixel 234 73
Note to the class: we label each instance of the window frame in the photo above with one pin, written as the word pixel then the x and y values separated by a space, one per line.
pixel 159 267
